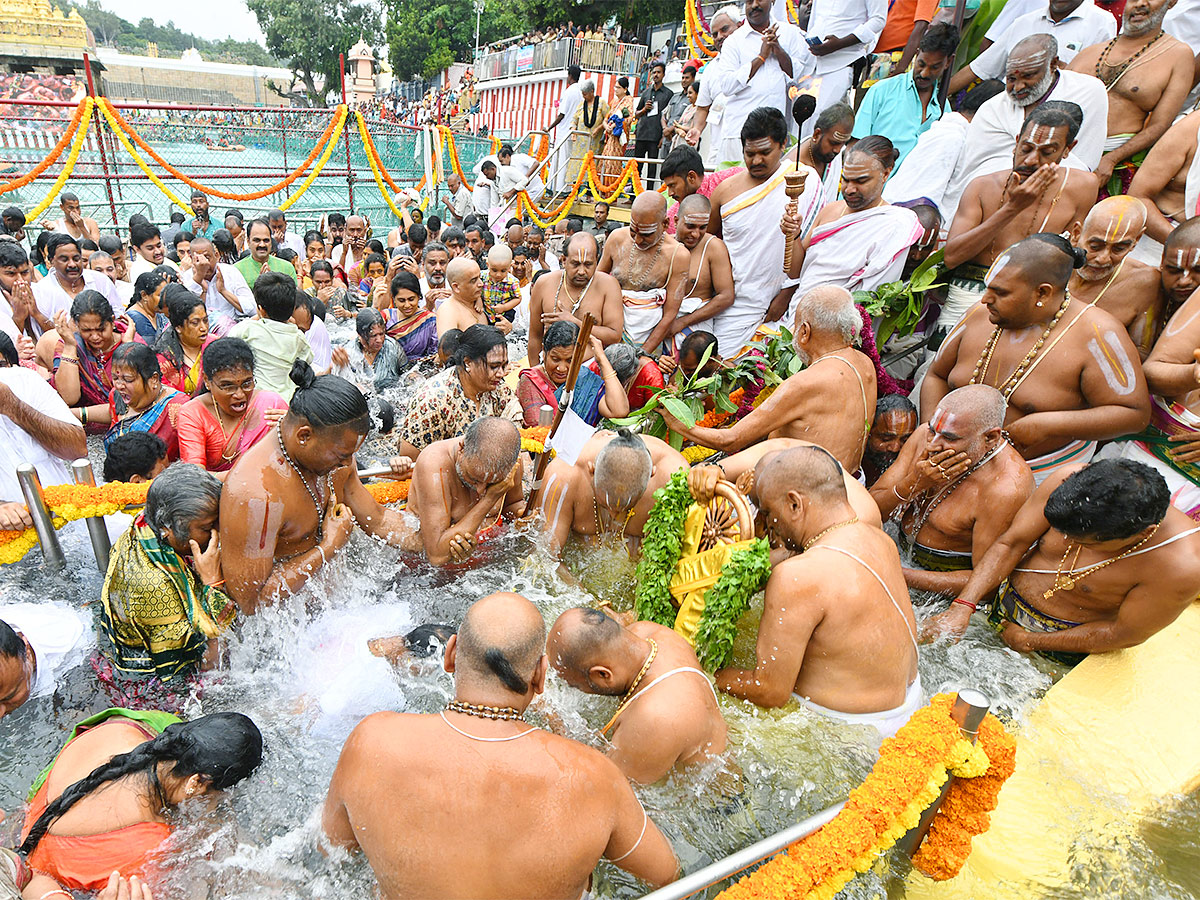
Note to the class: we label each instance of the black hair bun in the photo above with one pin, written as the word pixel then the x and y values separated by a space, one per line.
pixel 1078 257
pixel 302 374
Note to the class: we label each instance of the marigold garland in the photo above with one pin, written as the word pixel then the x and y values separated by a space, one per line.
pixel 698 39
pixel 141 163
pixel 908 776
pixel 55 151
pixel 214 192
pixel 343 112
pixel 69 165
pixel 696 454
pixel 376 167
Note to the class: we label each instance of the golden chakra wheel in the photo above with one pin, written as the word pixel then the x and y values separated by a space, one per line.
pixel 727 518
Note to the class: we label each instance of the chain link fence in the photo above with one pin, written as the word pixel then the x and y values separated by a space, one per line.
pixel 230 149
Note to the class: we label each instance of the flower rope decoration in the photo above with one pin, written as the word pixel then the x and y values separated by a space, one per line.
pixel 376 166
pixel 907 778
pixel 698 39
pixel 727 601
pixel 55 151
pixel 69 165
pixel 224 195
pixel 343 112
pixel 141 163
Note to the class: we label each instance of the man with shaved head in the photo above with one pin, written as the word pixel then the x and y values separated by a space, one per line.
pixel 651 267
pixel 350 253
pixel 570 294
pixel 609 491
pixel 224 289
pixel 463 486
pixel 408 787
pixel 1112 278
pixel 464 307
pixel 1068 371
pixel 954 488
pixel 830 402
pixel 708 289
pixel 837 631
pixel 1180 270
pixel 667 717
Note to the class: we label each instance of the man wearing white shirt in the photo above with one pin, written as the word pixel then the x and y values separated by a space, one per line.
pixel 1074 24
pixel 150 253
pixel 757 62
pixel 514 169
pixel 19 314
pixel 560 128
pixel 848 30
pixel 99 261
pixel 353 248
pixel 486 195
pixel 1033 77
pixel 68 278
pixel 710 102
pixel 224 289
pixel 284 238
pixel 38 643
pixel 458 202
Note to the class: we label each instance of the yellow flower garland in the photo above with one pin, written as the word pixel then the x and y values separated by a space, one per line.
pixel 343 111
pixel 141 163
pixel 69 165
pixel 383 191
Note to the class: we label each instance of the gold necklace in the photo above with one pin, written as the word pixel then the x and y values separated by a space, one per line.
pixel 1072 578
pixel 236 425
pixel 853 520
pixel 1010 385
pixel 500 713
pixel 637 682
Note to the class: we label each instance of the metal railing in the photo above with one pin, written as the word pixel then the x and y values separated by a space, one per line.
pixel 590 55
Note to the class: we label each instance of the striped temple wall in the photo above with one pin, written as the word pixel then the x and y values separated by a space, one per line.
pixel 512 107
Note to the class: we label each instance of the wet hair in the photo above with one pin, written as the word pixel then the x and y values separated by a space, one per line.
pixel 406 281
pixel 1055 114
pixel 697 342
pixel 418 233
pixel 135 453
pixel 223 241
pixel 91 302
pixel 321 265
pixel 425 640
pixel 58 239
pixel 560 334
pixel 316 309
pixel 138 357
pixel 180 304
pixel 1109 500
pixel 452 235
pixel 494 440
pixel 941 37
pixel 11 645
pixel 476 343
pixel 448 343
pixel 275 294
pixel 623 466
pixel 8 350
pixel 831 115
pixel 623 359
pixel 140 234
pixel 765 122
pixel 366 320
pixel 327 401
pixel 225 354
pixel 893 403
pixel 223 748
pixel 12 254
pixel 878 147
pixel 147 283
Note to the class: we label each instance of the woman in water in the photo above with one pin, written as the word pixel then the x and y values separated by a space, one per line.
pixel 374 362
pixel 217 427
pixel 595 395
pixel 408 321
pixel 106 802
pixel 181 346
pixel 146 310
pixel 140 401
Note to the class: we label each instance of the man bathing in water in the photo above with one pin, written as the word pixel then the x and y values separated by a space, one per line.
pixel 837 629
pixel 462 487
pixel 831 402
pixel 570 805
pixel 573 293
pixel 610 489
pixel 651 267
pixel 708 290
pixel 667 717
pixel 1093 389
pixel 1096 560
pixel 293 499
pixel 955 488
pixel 895 422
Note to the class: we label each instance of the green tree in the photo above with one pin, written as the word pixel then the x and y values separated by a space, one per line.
pixel 310 36
pixel 423 41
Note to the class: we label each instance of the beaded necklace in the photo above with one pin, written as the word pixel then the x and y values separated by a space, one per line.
pixel 1117 72
pixel 1010 385
pixel 312 495
pixel 637 682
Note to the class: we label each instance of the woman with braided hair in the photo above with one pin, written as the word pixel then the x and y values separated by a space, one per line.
pixel 106 802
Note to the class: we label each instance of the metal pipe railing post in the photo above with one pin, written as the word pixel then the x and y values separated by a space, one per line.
pixel 43 524
pixel 81 472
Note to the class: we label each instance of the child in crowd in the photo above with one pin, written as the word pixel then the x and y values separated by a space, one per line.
pixel 135 457
pixel 375 267
pixel 501 290
pixel 277 343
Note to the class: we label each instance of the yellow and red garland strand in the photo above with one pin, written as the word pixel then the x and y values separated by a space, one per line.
pixel 69 165
pixel 55 151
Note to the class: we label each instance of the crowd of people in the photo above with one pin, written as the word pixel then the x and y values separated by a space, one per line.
pixel 1039 465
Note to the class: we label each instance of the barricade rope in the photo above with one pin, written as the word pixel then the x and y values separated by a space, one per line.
pixel 76 146
pixel 114 114
pixel 56 151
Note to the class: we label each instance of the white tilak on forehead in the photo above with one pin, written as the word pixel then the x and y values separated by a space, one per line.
pixel 997 267
pixel 1192 259
pixel 1028 62
pixel 1042 136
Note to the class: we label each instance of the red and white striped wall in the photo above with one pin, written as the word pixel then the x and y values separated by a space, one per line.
pixel 515 106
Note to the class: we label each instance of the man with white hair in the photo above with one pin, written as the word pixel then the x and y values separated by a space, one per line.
pixel 954 488
pixel 830 402
pixel 711 99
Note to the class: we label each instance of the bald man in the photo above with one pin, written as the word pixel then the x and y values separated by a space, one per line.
pixel 838 630
pixel 830 402
pixel 352 250
pixel 463 486
pixel 708 289
pixel 1179 271
pixel 1068 371
pixel 667 717
pixel 651 267
pixel 954 488
pixel 610 488
pixel 408 789
pixel 1111 278
pixel 464 307
pixel 572 293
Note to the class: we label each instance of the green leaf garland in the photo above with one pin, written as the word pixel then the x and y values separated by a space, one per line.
pixel 727 600
pixel 662 538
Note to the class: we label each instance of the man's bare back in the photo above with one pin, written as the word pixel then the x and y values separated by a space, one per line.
pixel 1162 180
pixel 1131 297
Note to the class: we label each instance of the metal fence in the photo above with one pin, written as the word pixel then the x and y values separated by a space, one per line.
pixel 590 55
pixel 237 150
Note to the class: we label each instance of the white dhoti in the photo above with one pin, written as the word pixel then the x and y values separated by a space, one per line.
pixel 1073 454
pixel 961 295
pixel 887 722
pixel 1148 251
pixel 643 312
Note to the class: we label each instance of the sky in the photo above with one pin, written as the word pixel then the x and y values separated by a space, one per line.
pixel 212 19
